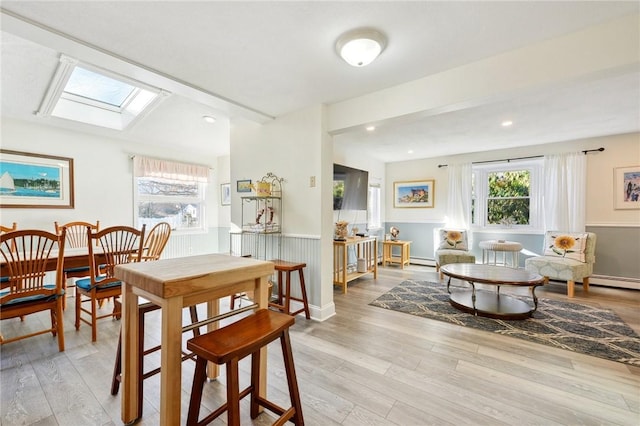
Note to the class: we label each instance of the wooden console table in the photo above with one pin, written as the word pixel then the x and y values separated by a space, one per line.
pixel 404 255
pixel 366 248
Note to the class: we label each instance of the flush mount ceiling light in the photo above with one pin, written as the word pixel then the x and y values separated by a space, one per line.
pixel 361 46
pixel 209 119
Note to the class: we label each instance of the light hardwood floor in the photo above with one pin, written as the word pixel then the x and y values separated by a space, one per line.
pixel 364 366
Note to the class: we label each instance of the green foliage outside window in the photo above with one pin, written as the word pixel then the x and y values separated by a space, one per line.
pixel 508 201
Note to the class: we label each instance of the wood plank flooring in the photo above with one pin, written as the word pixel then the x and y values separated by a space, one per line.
pixel 364 366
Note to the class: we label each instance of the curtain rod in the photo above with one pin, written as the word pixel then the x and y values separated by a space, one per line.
pixel 585 152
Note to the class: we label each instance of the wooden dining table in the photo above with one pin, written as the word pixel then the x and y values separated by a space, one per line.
pixel 73 258
pixel 174 284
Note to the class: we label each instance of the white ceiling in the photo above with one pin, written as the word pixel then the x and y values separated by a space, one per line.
pixel 259 60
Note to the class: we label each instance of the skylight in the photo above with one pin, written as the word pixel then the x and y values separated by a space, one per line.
pixel 98 87
pixel 84 93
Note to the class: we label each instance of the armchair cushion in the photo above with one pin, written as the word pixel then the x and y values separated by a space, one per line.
pixel 566 245
pixel 445 257
pixel 453 239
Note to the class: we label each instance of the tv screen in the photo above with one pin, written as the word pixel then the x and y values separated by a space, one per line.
pixel 350 188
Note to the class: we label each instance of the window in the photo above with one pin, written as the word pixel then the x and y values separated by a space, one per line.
pixel 84 93
pixel 373 210
pixel 507 195
pixel 169 192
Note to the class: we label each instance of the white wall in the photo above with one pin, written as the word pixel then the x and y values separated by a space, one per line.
pixel 102 174
pixel 620 151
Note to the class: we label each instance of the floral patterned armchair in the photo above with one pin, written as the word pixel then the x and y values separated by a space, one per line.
pixel 566 257
pixel 452 246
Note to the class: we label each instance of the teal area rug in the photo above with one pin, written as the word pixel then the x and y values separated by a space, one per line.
pixel 571 326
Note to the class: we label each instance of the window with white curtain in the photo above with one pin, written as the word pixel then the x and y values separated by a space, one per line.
pixel 507 195
pixel 373 210
pixel 170 192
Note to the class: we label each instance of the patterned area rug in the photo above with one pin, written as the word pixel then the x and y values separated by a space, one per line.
pixel 571 326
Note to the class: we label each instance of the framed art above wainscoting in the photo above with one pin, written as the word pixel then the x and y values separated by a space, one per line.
pixel 29 180
pixel 412 194
pixel 626 187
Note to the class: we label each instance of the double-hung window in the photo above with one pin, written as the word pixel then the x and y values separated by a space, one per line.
pixel 171 192
pixel 507 195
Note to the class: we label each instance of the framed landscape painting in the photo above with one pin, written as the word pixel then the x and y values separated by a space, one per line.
pixel 414 194
pixel 30 180
pixel 243 185
pixel 626 191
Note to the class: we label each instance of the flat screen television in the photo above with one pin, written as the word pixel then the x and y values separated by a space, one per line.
pixel 350 188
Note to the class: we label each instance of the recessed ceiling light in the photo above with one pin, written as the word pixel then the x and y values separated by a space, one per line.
pixel 507 123
pixel 371 128
pixel 209 119
pixel 410 151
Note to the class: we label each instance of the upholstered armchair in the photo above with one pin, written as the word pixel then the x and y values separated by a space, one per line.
pixel 566 257
pixel 452 246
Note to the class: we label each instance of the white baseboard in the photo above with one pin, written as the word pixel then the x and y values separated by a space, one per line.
pixel 619 282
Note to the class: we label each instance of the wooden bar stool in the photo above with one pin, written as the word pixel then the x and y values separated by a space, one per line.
pixel 228 345
pixel 284 298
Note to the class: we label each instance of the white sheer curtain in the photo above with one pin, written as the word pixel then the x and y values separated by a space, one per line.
pixel 565 181
pixel 459 196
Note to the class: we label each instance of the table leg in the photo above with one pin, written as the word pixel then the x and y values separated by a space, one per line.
pixel 130 348
pixel 261 297
pixel 171 361
pixel 213 309
pixel 473 298
pixel 535 299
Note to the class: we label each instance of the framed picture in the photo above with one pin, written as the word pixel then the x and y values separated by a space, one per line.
pixel 35 180
pixel 414 194
pixel 225 194
pixel 626 187
pixel 244 185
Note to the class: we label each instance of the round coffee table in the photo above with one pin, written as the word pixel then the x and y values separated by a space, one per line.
pixel 487 303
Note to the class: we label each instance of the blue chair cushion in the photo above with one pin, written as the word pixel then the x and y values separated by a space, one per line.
pixel 77 269
pixel 85 283
pixel 4 279
pixel 30 298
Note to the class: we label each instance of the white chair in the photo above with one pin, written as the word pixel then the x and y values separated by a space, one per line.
pixel 452 246
pixel 566 257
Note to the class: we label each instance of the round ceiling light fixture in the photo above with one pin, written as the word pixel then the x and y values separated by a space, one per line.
pixel 361 46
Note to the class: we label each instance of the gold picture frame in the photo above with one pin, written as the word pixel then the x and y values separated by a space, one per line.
pixel 414 194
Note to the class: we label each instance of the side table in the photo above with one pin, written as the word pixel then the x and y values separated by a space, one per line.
pixel 503 246
pixel 404 255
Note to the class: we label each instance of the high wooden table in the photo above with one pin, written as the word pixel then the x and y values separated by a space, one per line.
pixel 173 284
pixel 402 258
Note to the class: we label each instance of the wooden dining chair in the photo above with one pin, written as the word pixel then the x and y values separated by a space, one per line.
pixel 27 256
pixel 156 241
pixel 120 245
pixel 76 238
pixel 3 230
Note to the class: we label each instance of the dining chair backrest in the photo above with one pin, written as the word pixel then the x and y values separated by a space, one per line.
pixel 77 232
pixel 27 256
pixel 156 241
pixel 120 245
pixel 5 229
